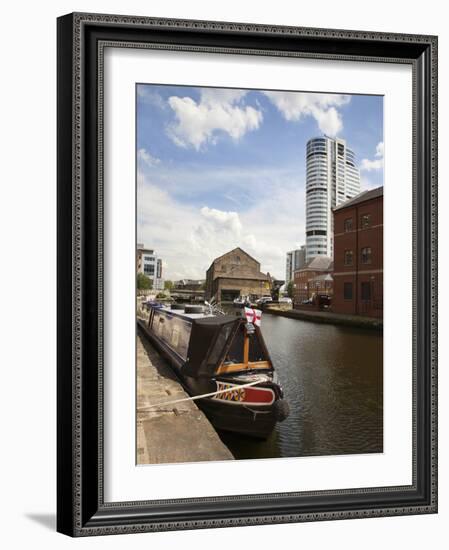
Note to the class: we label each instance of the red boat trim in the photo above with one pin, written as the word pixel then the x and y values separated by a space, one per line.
pixel 253 396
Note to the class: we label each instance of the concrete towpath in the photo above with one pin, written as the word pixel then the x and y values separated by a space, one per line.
pixel 173 433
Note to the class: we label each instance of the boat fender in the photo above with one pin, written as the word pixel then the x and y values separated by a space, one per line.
pixel 281 409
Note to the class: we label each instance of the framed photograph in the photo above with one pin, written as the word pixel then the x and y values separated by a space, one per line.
pixel 247 280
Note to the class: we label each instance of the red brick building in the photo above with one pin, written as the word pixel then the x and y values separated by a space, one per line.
pixel 358 255
pixel 311 279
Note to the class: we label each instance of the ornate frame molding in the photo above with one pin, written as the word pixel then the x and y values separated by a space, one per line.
pixel 81 42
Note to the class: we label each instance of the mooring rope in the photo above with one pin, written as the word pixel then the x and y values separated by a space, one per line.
pixel 233 388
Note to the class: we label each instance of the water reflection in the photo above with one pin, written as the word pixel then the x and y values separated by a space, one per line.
pixel 332 379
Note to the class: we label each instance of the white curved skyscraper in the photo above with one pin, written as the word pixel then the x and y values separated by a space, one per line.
pixel 332 177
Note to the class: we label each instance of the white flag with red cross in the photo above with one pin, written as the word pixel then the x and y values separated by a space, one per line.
pixel 253 315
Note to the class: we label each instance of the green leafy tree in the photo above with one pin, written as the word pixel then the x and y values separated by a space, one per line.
pixel 290 289
pixel 144 282
pixel 168 285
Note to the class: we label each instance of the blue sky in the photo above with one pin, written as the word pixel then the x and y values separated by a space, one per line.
pixel 219 168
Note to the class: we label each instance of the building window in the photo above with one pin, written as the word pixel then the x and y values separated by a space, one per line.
pixel 347 291
pixel 348 257
pixel 366 255
pixel 366 292
pixel 148 269
pixel 365 221
pixel 348 225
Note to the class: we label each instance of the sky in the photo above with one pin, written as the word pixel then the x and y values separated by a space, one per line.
pixel 220 168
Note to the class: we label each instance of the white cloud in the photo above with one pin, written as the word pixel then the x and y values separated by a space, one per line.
pixel 147 158
pixel 322 107
pixel 199 123
pixel 380 149
pixel 147 95
pixel 188 238
pixel 377 163
pixel 224 220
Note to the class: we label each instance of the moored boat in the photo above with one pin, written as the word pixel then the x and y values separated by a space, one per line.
pixel 241 301
pixel 222 355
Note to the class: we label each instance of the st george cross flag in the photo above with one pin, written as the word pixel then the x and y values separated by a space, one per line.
pixel 253 315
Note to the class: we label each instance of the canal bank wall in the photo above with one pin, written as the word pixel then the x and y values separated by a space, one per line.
pixel 329 317
pixel 171 433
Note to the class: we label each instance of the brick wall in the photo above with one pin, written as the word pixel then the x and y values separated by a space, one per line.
pixel 358 259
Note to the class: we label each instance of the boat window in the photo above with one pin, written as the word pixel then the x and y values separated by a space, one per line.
pixel 235 353
pixel 173 331
pixel 220 343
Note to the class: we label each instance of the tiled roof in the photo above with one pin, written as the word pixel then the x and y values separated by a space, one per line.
pixel 362 197
pixel 324 277
pixel 229 252
pixel 319 263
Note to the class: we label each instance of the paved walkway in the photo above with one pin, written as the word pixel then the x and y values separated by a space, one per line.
pixel 329 317
pixel 175 433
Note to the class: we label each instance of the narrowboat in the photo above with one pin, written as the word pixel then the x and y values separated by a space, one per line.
pixel 222 355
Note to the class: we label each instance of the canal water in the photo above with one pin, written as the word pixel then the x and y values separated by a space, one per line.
pixel 332 379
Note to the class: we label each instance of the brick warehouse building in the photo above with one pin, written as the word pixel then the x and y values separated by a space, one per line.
pixel 235 274
pixel 358 255
pixel 312 279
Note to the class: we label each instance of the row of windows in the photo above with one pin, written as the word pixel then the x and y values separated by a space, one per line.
pixel 318 177
pixel 317 211
pixel 316 186
pixel 317 163
pixel 319 194
pixel 365 222
pixel 315 239
pixel 316 147
pixel 320 205
pixel 365 256
pixel 317 191
pixel 316 236
pixel 321 185
pixel 316 221
pixel 321 215
pixel 365 289
pixel 318 239
pixel 148 269
pixel 315 246
pixel 316 200
pixel 315 154
pixel 321 219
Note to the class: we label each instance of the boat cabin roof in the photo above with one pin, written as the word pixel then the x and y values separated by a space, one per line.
pixel 211 319
pixel 214 339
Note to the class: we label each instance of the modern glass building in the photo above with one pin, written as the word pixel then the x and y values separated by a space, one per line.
pixel 332 178
pixel 150 265
pixel 295 259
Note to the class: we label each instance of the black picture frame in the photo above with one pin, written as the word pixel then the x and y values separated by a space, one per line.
pixel 81 510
